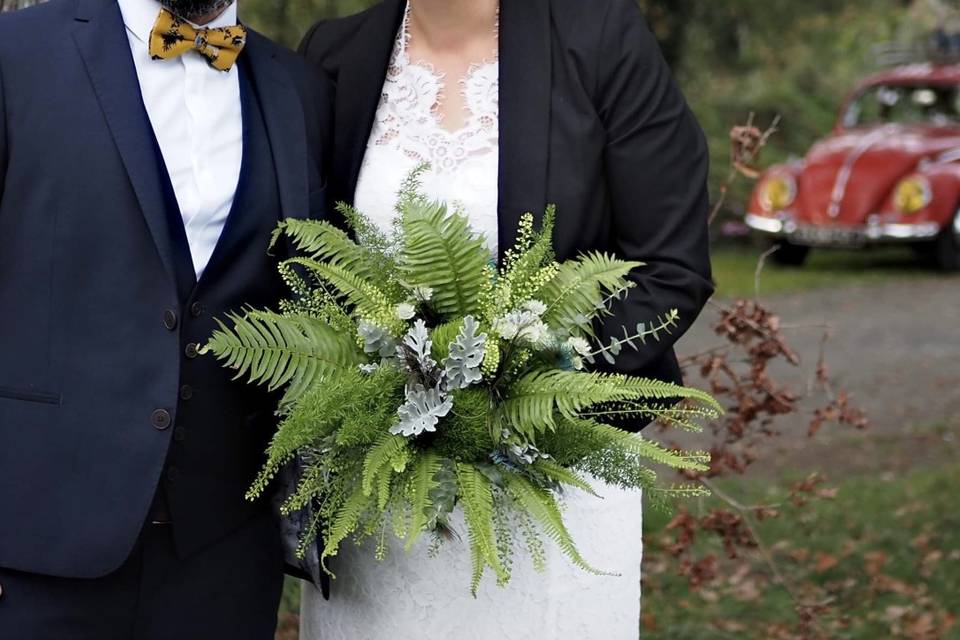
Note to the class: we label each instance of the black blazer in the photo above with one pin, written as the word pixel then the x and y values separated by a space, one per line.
pixel 590 120
pixel 96 341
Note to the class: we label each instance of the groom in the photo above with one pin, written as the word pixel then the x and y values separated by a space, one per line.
pixel 147 151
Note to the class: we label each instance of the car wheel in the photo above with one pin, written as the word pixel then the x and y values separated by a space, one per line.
pixel 946 250
pixel 790 255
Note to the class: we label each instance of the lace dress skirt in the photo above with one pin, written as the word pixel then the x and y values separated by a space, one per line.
pixel 415 596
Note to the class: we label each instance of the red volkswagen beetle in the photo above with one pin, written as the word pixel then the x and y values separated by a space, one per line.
pixel 889 173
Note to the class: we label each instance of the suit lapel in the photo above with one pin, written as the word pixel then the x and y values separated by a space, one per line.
pixel 359 86
pixel 102 40
pixel 283 115
pixel 525 85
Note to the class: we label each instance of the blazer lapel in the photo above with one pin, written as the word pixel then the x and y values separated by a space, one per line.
pixel 359 86
pixel 525 85
pixel 101 37
pixel 283 115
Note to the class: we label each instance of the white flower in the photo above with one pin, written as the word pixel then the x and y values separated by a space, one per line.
pixel 535 307
pixel 423 293
pixel 522 325
pixel 406 311
pixel 580 345
pixel 507 327
pixel 536 333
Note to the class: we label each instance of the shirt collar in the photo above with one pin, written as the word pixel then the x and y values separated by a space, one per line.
pixel 139 16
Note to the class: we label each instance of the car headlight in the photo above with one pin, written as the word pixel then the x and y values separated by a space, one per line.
pixel 778 192
pixel 912 195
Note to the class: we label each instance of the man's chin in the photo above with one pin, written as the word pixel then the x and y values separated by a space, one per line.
pixel 195 10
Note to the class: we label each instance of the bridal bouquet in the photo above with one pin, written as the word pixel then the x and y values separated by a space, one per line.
pixel 419 378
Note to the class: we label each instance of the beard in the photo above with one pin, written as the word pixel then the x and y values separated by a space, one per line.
pixel 193 10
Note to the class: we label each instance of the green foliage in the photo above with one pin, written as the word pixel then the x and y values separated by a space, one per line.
pixel 440 251
pixel 371 409
pixel 279 350
pixel 476 496
pixel 389 455
pixel 528 265
pixel 324 242
pixel 542 507
pixel 347 520
pixel 466 434
pixel 577 292
pixel 422 484
pixel 371 302
pixel 535 400
pixel 443 335
pixel 391 410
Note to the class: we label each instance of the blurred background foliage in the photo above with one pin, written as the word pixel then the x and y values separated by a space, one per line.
pixel 770 57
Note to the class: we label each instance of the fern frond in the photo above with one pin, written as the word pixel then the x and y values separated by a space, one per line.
pixel 532 402
pixel 476 496
pixel 441 252
pixel 371 302
pixel 277 350
pixel 564 476
pixel 422 483
pixel 388 455
pixel 638 445
pixel 577 292
pixel 542 506
pixel 345 523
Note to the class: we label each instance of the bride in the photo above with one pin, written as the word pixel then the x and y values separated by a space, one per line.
pixel 516 104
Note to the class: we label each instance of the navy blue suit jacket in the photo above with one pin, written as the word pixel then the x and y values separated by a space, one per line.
pixel 92 327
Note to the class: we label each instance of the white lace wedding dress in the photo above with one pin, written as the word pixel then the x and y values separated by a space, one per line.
pixel 413 595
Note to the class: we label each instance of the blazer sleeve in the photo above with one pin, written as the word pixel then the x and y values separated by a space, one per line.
pixel 4 153
pixel 319 120
pixel 656 166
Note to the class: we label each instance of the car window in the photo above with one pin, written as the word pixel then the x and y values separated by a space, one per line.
pixel 913 104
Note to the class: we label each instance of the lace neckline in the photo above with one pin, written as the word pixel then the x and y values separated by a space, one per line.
pixel 489 66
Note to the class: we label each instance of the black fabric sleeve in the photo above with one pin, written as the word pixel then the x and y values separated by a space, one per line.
pixel 4 153
pixel 320 133
pixel 656 166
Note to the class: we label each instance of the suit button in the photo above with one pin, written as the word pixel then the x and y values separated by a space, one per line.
pixel 172 474
pixel 192 350
pixel 170 319
pixel 186 392
pixel 180 434
pixel 197 309
pixel 160 419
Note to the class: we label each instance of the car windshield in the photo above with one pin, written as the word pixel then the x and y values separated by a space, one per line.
pixel 905 104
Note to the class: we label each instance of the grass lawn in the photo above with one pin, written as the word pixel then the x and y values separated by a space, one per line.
pixel 887 551
pixel 735 267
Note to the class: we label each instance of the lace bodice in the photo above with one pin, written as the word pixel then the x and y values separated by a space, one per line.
pixel 408 130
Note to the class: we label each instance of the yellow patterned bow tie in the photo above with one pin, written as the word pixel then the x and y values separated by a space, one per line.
pixel 172 37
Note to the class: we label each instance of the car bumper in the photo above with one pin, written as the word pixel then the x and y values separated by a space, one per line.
pixel 842 236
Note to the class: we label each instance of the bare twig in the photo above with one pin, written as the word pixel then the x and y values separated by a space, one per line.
pixel 761 263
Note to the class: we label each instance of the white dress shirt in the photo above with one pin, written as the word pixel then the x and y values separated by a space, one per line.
pixel 196 115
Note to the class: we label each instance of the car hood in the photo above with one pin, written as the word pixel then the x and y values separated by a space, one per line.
pixel 846 178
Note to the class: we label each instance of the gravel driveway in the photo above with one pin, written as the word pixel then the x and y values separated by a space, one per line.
pixel 895 348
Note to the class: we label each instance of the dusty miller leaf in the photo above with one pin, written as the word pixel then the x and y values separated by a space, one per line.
pixel 462 366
